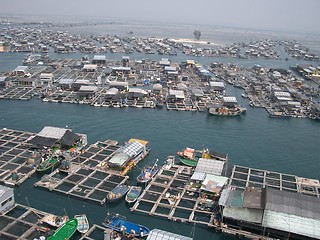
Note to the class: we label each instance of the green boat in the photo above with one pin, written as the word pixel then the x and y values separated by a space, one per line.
pixel 189 162
pixel 65 231
pixel 189 156
pixel 48 164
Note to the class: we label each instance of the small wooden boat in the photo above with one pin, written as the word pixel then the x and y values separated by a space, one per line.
pixel 117 193
pixel 133 194
pixel 148 173
pixel 53 220
pixel 48 164
pixel 83 223
pixel 119 224
pixel 66 231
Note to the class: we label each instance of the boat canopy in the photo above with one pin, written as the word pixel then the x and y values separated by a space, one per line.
pixel 188 152
pixel 119 159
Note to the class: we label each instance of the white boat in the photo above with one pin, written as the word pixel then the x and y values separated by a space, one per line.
pixel 148 173
pixel 53 220
pixel 83 223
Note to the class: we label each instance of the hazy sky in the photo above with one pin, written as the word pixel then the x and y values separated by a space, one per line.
pixel 292 15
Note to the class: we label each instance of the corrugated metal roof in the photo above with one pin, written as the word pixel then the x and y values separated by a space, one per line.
pixel 90 66
pixel 213 183
pixel 52 132
pixel 244 214
pixel 210 166
pixel 21 68
pixel 254 198
pixel 137 90
pixel 291 223
pixel 293 203
pixel 119 158
pixel 198 176
pixel 88 88
pixel 235 198
pixel 170 68
pixel 133 148
pixel 230 99
pixel 116 83
pixel 66 81
pixel 177 93
pixel 217 84
pixel 224 196
pixel 121 68
pixel 157 234
pixel 112 91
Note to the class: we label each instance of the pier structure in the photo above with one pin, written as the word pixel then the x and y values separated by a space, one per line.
pixel 245 177
pixel 22 222
pixel 171 195
pixel 84 183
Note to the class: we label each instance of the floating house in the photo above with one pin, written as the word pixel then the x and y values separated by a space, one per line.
pixel 27 82
pixel 217 86
pixel 119 85
pixel 129 155
pixel 90 67
pixel 20 70
pixel 272 204
pixel 46 79
pixel 230 101
pixel 53 136
pixel 6 199
pixel 87 91
pixel 77 84
pixel 66 83
pixel 99 59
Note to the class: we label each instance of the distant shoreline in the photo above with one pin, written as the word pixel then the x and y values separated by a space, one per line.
pixel 186 40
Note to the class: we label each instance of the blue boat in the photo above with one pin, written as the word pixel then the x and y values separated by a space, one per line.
pixel 119 224
pixel 117 193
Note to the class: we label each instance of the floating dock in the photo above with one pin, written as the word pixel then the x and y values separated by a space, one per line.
pixel 84 183
pixel 170 195
pixel 14 156
pixel 244 177
pixel 23 222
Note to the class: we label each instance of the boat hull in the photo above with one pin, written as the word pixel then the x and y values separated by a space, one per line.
pixel 148 173
pixel 189 162
pixel 133 194
pixel 48 164
pixel 119 224
pixel 83 223
pixel 117 193
pixel 65 231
